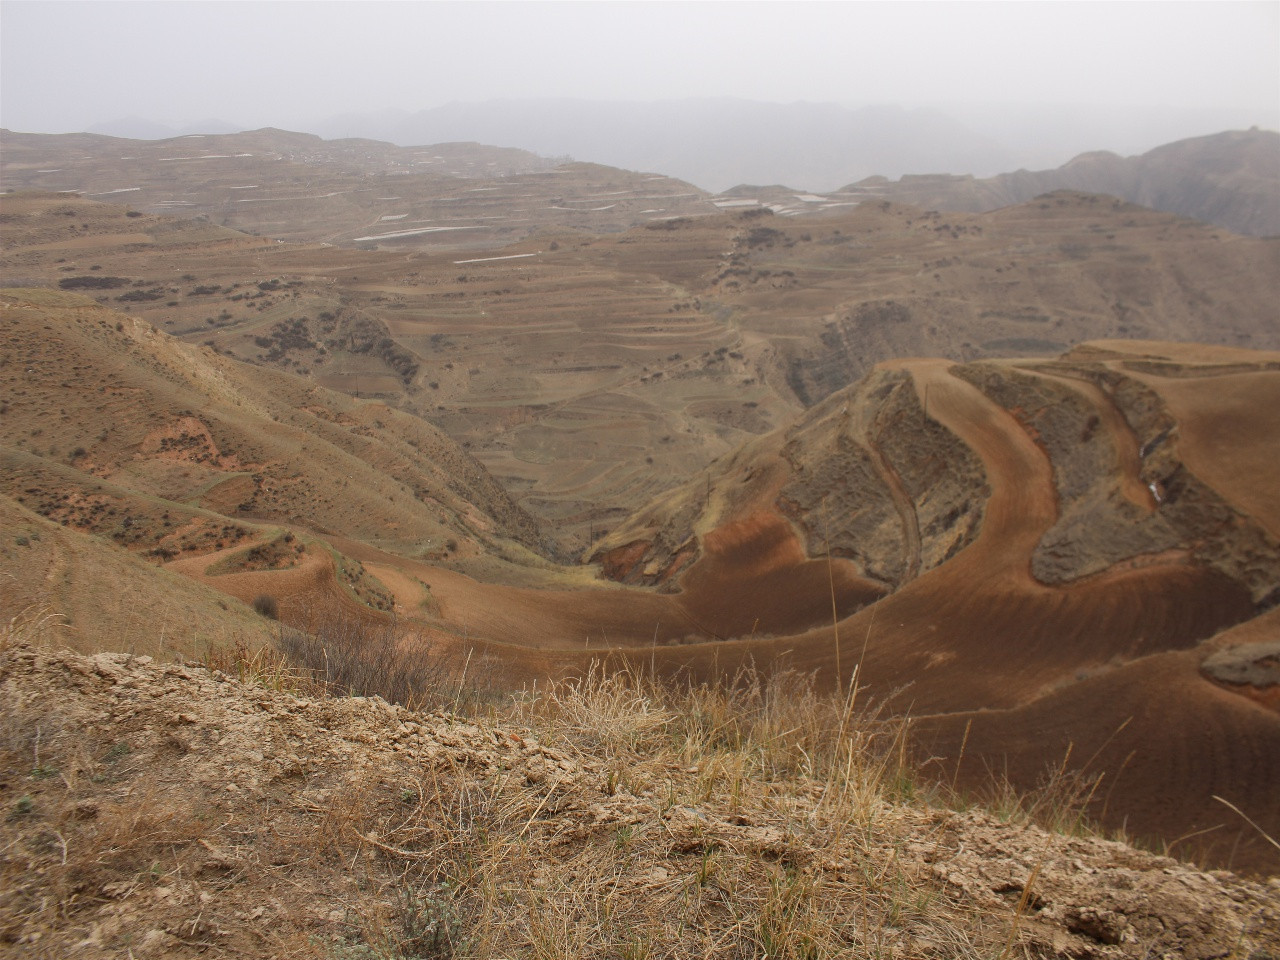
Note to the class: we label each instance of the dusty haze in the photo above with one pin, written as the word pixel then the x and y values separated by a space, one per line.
pixel 1020 84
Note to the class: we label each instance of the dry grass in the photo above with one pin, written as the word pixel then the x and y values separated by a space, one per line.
pixel 262 666
pixel 36 625
pixel 331 653
pixel 78 825
pixel 806 772
pixel 484 869
pixel 614 816
pixel 476 868
pixel 814 778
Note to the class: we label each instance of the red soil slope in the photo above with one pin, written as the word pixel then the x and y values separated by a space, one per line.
pixel 1101 674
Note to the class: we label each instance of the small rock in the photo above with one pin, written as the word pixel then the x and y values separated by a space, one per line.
pixel 156 943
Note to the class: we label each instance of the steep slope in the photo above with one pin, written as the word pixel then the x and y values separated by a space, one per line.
pixel 75 589
pixel 1230 179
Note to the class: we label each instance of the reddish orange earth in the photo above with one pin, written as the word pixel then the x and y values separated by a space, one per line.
pixel 1005 675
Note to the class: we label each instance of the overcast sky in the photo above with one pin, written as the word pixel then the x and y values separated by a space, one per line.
pixel 65 66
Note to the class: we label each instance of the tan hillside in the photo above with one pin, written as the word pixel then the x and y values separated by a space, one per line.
pixel 124 404
pixel 158 810
pixel 125 436
pixel 79 591
pixel 590 374
pixel 298 187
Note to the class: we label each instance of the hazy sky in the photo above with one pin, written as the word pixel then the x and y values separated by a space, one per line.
pixel 67 65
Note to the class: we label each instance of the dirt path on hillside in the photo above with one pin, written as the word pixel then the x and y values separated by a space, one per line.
pixel 298 590
pixel 1123 439
pixel 1024 503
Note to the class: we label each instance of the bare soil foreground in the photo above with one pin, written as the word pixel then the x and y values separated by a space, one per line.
pixel 163 810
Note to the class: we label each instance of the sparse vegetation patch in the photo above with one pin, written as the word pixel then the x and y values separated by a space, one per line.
pixel 280 553
pixel 607 817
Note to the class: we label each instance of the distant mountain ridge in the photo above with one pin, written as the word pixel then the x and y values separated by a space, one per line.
pixel 1231 179
pixel 141 128
pixel 713 143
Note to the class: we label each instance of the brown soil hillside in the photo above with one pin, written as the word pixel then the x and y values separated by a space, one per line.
pixel 93 596
pixel 159 810
pixel 1063 620
pixel 106 399
pixel 123 436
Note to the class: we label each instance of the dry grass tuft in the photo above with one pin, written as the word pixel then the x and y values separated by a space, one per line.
pixel 259 811
pixel 38 626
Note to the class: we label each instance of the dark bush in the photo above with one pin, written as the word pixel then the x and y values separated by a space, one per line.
pixel 359 656
pixel 141 296
pixel 92 283
pixel 266 606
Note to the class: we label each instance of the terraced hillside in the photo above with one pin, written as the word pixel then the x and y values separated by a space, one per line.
pixel 591 373
pixel 1106 602
pixel 169 451
pixel 298 187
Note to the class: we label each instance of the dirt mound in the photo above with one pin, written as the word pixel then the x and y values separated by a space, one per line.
pixel 168 811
